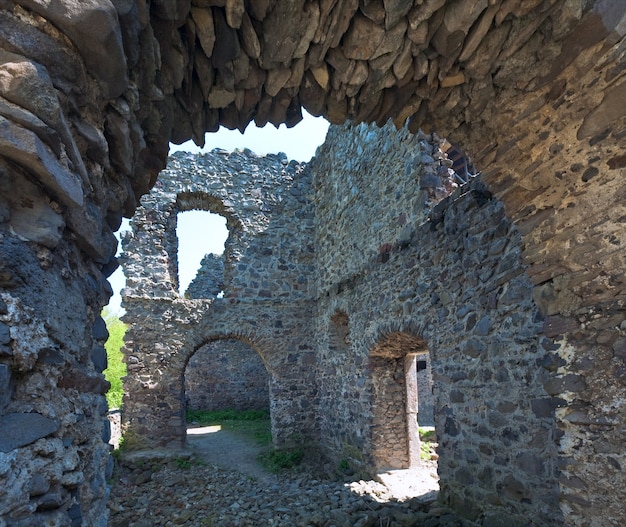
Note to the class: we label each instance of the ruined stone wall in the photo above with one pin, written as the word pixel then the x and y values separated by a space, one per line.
pixel 450 283
pixel 209 280
pixel 224 375
pixel 268 275
pixel 73 159
pixel 426 395
pixel 53 434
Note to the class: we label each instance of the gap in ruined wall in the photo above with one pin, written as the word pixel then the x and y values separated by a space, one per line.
pixel 298 143
pixel 117 279
pixel 226 374
pixel 200 234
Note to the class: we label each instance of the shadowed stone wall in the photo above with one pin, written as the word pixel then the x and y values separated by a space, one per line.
pixel 447 280
pixel 225 375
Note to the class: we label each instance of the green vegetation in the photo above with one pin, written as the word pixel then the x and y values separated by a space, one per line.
pixel 344 465
pixel 251 424
pixel 278 460
pixel 428 439
pixel 352 463
pixel 116 366
pixel 185 463
pixel 427 433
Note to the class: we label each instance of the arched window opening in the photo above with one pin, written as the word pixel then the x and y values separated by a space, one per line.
pixel 201 239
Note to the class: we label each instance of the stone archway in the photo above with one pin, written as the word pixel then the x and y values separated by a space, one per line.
pixel 226 374
pixel 534 89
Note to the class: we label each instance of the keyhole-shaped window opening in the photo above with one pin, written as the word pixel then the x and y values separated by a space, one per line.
pixel 201 239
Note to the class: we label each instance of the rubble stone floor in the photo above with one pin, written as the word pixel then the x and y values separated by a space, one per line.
pixel 216 481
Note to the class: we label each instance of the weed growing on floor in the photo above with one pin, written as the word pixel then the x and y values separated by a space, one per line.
pixel 276 461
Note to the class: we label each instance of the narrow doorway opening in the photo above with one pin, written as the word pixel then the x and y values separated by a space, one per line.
pixel 227 405
pixel 225 375
pixel 403 437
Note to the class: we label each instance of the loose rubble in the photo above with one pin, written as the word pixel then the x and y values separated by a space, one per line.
pixel 182 490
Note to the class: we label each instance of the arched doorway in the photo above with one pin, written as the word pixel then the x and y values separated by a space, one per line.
pixel 226 374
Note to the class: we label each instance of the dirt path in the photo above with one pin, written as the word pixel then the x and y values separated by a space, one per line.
pixel 227 450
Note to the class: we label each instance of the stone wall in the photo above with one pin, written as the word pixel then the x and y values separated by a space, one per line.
pixel 425 388
pixel 52 406
pixel 226 375
pixel 268 276
pixel 397 275
pixel 448 282
pixel 209 280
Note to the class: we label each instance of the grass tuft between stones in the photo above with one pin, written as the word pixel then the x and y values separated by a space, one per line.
pixel 276 461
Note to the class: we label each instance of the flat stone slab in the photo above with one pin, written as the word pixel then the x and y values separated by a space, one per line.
pixel 17 430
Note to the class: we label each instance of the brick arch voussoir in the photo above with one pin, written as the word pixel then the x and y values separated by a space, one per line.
pixel 412 333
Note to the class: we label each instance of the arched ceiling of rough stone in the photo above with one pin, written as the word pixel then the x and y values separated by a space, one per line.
pixel 532 89
pixel 231 62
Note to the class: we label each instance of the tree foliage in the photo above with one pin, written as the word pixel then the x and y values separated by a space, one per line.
pixel 116 366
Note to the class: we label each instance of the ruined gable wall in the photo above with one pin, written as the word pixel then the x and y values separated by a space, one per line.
pixel 454 281
pixel 268 263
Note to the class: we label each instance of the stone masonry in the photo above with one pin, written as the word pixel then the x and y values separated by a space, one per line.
pixel 91 93
pixel 225 375
pixel 397 275
pixel 267 279
pixel 446 281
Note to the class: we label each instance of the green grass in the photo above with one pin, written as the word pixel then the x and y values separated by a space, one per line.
pixel 254 425
pixel 428 436
pixel 279 460
pixel 251 424
pixel 184 463
pixel 427 433
pixel 116 366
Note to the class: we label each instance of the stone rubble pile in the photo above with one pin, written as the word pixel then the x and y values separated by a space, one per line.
pixel 179 491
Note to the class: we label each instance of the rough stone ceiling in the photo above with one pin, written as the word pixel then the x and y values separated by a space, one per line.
pixel 233 61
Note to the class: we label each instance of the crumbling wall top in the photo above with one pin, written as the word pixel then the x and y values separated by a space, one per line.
pixel 266 203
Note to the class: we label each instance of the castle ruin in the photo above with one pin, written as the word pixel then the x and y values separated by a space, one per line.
pixel 513 286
